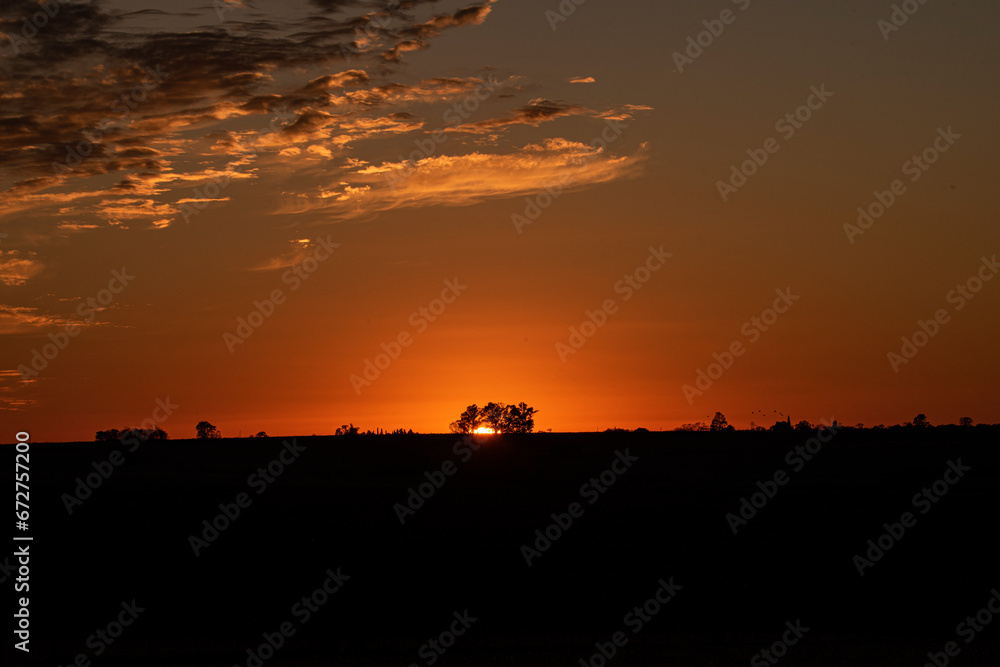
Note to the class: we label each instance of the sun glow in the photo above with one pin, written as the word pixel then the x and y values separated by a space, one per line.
pixel 484 430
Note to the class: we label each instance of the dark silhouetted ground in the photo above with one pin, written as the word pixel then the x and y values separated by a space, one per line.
pixel 665 517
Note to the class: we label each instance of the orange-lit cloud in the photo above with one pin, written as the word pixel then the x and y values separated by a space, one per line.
pixel 462 180
pixel 20 319
pixel 17 270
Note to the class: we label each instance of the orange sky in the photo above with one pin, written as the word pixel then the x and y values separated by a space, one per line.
pixel 270 153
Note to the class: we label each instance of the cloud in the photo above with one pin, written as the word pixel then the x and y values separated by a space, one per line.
pixel 75 226
pixel 416 35
pixel 12 389
pixel 539 111
pixel 582 79
pixel 16 270
pixel 462 180
pixel 299 251
pixel 20 319
pixel 624 113
pixel 535 112
pixel 102 92
pixel 128 119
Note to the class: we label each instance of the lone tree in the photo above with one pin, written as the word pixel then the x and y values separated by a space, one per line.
pixel 346 429
pixel 719 422
pixel 965 421
pixel 920 421
pixel 207 431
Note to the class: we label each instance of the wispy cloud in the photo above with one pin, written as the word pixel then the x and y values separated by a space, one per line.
pixel 21 319
pixel 16 269
pixel 105 92
pixel 120 119
pixel 462 180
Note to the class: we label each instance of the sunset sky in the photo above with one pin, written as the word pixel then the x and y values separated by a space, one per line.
pixel 507 168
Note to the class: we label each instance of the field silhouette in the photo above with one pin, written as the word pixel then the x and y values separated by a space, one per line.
pixel 411 563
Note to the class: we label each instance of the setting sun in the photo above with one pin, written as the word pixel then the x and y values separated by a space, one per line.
pixel 484 430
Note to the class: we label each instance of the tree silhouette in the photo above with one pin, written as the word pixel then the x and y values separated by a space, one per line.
pixel 346 430
pixel 207 431
pixel 517 419
pixel 470 420
pixel 501 418
pixel 260 434
pixel 114 435
pixel 696 426
pixel 719 422
pixel 493 416
pixel 920 421
pixel 965 421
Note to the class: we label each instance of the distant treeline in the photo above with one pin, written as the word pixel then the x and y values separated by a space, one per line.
pixel 518 419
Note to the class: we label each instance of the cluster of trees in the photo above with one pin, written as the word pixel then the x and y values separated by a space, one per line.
pixel 499 417
pixel 519 418
pixel 719 423
pixel 114 435
pixel 351 429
